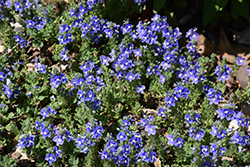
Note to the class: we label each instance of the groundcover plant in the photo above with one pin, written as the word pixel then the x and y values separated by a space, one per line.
pixel 78 89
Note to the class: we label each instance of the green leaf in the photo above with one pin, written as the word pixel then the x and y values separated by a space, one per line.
pixel 14 128
pixel 40 98
pixel 158 5
pixel 3 58
pixel 10 115
pixel 221 3
pixel 209 11
pixel 238 93
pixel 241 7
pixel 37 43
pixel 8 127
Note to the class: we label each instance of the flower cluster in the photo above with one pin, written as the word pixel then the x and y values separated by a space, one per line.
pixel 213 96
pixel 128 142
pixel 193 36
pixel 57 80
pixel 26 140
pixel 87 140
pixel 40 68
pixel 115 70
pixel 37 22
pixel 179 92
pixel 22 43
pixel 173 139
pixel 223 73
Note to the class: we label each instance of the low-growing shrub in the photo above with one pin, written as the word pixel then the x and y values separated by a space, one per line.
pixel 80 90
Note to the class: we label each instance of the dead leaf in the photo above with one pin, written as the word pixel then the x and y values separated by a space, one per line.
pixel 157 163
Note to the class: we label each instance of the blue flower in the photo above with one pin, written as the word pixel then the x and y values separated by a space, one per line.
pixel 105 60
pixel 90 96
pixel 140 89
pixel 204 150
pixel 214 131
pixel 51 110
pixel 130 77
pixel 30 23
pixel 46 133
pixel 121 136
pixel 191 131
pixel 6 90
pixel 80 142
pixel 137 52
pixel 97 132
pixel 188 119
pixel 245 140
pixel 170 140
pixel 30 140
pixel 126 123
pixel 119 75
pixel 222 134
pixel 144 155
pixel 161 112
pixel 39 68
pixel 37 124
pixel 136 140
pixel 236 138
pixel 222 151
pixel 68 135
pixel 2 76
pixel 162 79
pixel 152 156
pixel 206 164
pixel 50 158
pixel 198 135
pixel 27 4
pixel 144 122
pixel 170 101
pixel 111 143
pixel 58 139
pixel 150 129
pixel 197 117
pixel 105 154
pixel 213 148
pixel 178 142
pixel 57 152
pixel 22 142
pixel 18 6
pixel 240 61
pixel 64 55
pixel 44 112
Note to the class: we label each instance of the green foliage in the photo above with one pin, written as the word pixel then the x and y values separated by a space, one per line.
pixel 87 87
pixel 6 161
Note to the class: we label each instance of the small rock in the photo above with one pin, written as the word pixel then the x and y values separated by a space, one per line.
pixel 233 125
pixel 230 82
pixel 231 96
pixel 23 155
pixel 143 133
pixel 245 107
pixel 16 155
pixel 17 26
pixel 242 76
